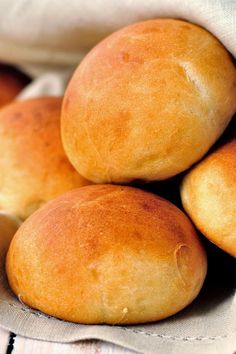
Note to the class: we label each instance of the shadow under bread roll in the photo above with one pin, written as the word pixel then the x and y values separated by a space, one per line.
pixel 148 102
pixel 12 82
pixel 208 194
pixel 33 165
pixel 107 254
pixel 8 227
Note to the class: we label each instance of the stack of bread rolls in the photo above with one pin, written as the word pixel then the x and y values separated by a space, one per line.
pixel 144 105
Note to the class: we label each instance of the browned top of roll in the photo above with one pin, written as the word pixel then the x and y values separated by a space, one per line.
pixel 148 102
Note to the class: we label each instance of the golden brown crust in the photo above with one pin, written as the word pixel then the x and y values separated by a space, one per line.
pixel 209 196
pixel 33 165
pixel 148 102
pixel 107 254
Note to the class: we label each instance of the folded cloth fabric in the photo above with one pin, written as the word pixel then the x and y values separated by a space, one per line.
pixel 47 39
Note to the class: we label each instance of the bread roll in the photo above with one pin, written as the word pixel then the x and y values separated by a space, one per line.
pixel 148 102
pixel 107 254
pixel 33 165
pixel 11 83
pixel 209 196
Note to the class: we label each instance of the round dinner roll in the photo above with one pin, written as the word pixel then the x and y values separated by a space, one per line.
pixel 148 102
pixel 11 83
pixel 33 165
pixel 107 254
pixel 209 196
